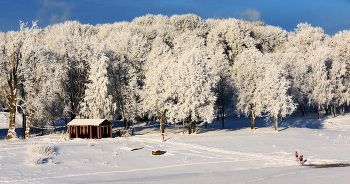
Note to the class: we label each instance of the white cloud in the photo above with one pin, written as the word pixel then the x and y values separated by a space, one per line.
pixel 54 11
pixel 249 15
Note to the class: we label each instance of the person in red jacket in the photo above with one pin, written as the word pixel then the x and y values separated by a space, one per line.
pixel 301 159
pixel 296 155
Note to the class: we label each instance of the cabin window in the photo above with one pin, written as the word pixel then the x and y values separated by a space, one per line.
pixel 73 129
pixel 84 130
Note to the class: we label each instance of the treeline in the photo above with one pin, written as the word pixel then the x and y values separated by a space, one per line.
pixel 178 68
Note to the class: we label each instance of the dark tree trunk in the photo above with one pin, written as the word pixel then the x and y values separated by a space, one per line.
pixel 342 110
pixel 223 121
pixel 223 116
pixel 275 123
pixel 124 122
pixel 252 118
pixel 327 109
pixel 189 127
pixel 183 126
pixel 72 116
pixel 128 124
pixel 333 111
pixel 162 121
pixel 194 127
pixel 302 110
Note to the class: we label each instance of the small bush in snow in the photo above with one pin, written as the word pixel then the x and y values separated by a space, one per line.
pixel 40 154
pixel 34 160
pixel 42 150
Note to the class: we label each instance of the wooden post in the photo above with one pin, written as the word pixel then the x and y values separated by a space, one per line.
pixel 70 131
pixel 76 132
pixel 110 130
pixel 99 136
pixel 98 133
pixel 90 131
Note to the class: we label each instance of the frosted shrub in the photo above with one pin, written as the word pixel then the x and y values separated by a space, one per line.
pixel 33 160
pixel 42 150
pixel 40 154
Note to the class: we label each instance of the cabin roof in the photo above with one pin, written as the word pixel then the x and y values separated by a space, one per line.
pixel 92 122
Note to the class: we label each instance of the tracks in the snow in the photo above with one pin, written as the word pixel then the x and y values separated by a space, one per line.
pixel 210 153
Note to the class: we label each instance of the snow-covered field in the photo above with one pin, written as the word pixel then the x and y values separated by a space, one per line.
pixel 235 154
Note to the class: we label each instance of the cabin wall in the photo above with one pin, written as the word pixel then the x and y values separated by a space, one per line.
pixel 90 132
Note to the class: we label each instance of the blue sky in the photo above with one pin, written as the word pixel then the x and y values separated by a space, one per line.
pixel 332 15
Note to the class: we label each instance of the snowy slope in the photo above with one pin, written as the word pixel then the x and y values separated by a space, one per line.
pixel 232 155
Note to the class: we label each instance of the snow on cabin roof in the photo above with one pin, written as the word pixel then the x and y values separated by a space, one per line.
pixel 93 122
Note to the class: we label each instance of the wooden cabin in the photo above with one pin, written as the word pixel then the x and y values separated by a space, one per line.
pixel 90 128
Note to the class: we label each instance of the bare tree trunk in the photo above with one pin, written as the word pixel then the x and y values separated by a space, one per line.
pixel 11 133
pixel 162 121
pixel 275 123
pixel 72 116
pixel 12 82
pixel 124 119
pixel 252 118
pixel 223 116
pixel 24 125
pixel 327 109
pixel 342 110
pixel 302 109
pixel 183 126
pixel 190 127
pixel 333 111
pixel 27 130
pixel 194 124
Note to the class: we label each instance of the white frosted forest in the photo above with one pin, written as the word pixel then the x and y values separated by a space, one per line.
pixel 175 69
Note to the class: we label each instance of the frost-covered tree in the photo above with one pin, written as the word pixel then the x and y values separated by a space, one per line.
pixel 124 88
pixel 296 71
pixel 235 34
pixel 157 94
pixel 194 89
pixel 215 49
pixel 341 63
pixel 75 74
pixel 337 76
pixel 304 38
pixel 301 45
pixel 269 38
pixel 97 102
pixel 38 87
pixel 275 92
pixel 318 84
pixel 341 44
pixel 261 86
pixel 16 48
pixel 129 44
pixel 189 23
pixel 248 74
